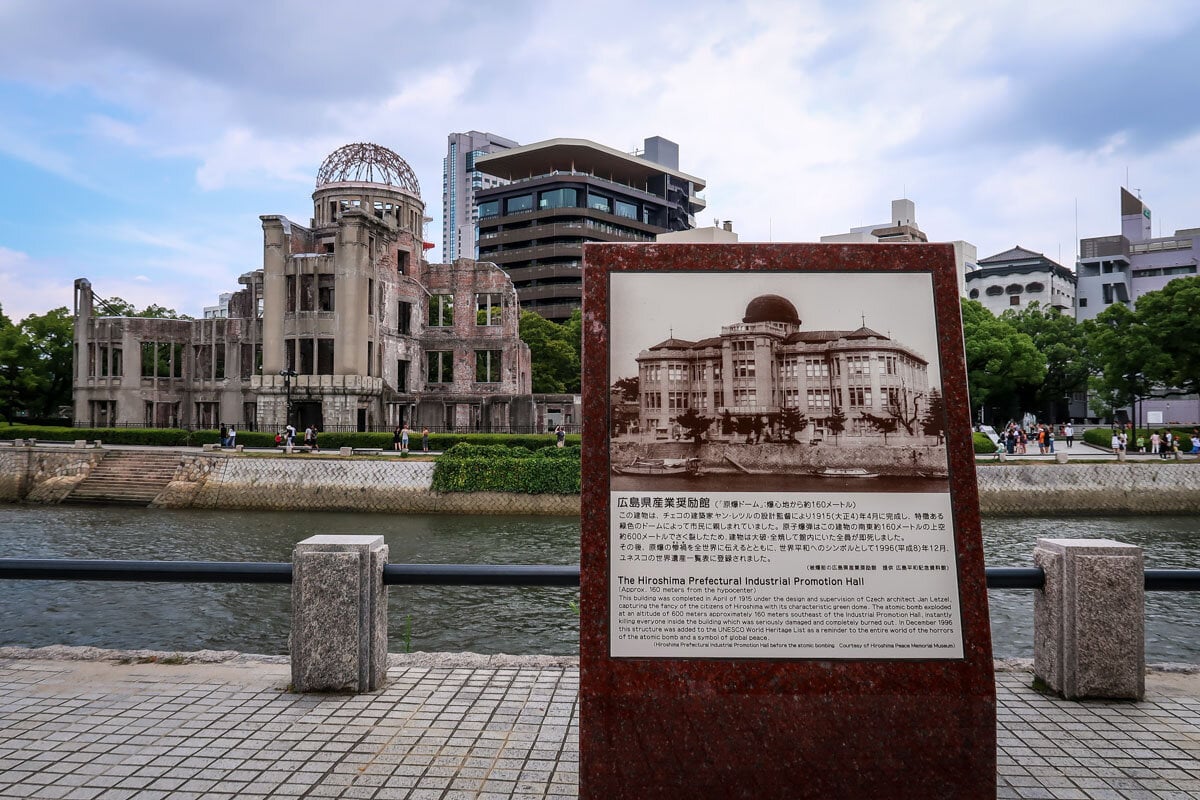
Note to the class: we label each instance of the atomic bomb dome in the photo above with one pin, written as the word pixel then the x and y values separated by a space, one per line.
pixel 364 162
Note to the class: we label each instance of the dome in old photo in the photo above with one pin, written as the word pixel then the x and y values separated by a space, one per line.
pixel 364 162
pixel 771 308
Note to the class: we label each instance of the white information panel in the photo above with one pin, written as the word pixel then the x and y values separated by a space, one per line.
pixel 783 575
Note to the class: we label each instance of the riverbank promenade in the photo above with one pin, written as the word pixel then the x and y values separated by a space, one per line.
pixel 77 723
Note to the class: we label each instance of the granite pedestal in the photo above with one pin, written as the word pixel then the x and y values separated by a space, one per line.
pixel 339 614
pixel 1089 619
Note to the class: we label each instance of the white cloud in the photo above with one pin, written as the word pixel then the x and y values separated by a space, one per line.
pixel 31 286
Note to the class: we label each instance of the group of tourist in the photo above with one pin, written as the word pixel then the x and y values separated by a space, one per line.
pixel 1016 440
pixel 228 436
pixel 1166 443
pixel 287 438
pixel 400 439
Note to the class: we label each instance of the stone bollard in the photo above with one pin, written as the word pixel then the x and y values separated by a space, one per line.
pixel 99 444
pixel 80 444
pixel 18 442
pixel 1120 455
pixel 208 448
pixel 345 451
pixel 1088 619
pixel 239 448
pixel 339 614
pixel 1061 457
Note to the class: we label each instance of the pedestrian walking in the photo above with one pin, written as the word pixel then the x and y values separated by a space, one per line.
pixel 224 435
pixel 404 439
pixel 232 436
pixel 1070 435
pixel 396 436
pixel 425 440
pixel 560 434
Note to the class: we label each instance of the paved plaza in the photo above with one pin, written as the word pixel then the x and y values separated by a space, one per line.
pixel 457 727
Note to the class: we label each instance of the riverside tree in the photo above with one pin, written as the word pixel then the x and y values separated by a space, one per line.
pixel 1002 362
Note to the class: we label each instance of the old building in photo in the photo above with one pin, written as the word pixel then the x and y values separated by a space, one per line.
pixel 346 324
pixel 768 364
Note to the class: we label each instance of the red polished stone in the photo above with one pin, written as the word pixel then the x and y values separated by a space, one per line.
pixel 756 728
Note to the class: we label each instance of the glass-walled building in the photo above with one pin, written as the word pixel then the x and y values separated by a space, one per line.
pixel 562 193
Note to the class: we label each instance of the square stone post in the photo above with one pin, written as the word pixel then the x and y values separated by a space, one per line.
pixel 1089 621
pixel 339 614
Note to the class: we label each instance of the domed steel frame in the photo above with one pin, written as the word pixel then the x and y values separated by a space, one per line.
pixel 369 163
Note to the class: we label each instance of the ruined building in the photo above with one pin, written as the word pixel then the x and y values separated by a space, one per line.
pixel 345 323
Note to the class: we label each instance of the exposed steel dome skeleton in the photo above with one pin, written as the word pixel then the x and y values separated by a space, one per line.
pixel 368 163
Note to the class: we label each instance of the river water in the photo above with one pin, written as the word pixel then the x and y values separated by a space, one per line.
pixel 254 618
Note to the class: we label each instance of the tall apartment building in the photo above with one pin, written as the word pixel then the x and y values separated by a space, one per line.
pixel 1120 269
pixel 460 180
pixel 559 194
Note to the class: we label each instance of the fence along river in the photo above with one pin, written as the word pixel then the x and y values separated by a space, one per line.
pixel 254 618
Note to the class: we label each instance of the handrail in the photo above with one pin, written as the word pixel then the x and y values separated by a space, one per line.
pixel 1156 580
pixel 78 569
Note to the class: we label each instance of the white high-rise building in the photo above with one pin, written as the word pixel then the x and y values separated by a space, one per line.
pixel 460 181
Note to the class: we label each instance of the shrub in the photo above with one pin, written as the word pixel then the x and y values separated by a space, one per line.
pixel 982 443
pixel 497 468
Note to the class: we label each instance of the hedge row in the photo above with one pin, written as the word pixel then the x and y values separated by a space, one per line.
pixel 173 437
pixel 1102 437
pixel 474 468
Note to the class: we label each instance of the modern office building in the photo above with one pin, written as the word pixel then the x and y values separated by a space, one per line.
pixel 902 228
pixel 1122 268
pixel 767 364
pixel 1017 277
pixel 460 180
pixel 346 326
pixel 562 193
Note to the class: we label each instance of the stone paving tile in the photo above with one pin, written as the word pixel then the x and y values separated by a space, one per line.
pixel 474 733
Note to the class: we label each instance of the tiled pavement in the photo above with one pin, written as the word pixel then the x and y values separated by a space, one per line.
pixel 469 727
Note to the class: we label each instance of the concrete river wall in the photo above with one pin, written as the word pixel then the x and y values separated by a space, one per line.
pixel 226 481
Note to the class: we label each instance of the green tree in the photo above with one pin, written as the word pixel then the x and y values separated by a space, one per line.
pixel 47 355
pixel 554 352
pixel 694 424
pixel 1002 362
pixel 1128 359
pixel 118 307
pixel 13 373
pixel 1064 347
pixel 1170 318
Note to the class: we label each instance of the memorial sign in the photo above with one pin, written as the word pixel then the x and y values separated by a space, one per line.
pixel 781 533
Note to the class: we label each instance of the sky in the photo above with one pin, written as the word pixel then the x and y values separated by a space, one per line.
pixel 648 308
pixel 141 140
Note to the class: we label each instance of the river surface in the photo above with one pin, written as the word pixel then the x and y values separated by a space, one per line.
pixel 254 618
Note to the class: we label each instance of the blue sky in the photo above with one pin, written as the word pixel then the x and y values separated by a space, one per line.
pixel 140 140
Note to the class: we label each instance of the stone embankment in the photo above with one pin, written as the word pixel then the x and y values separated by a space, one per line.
pixel 283 483
pixel 227 481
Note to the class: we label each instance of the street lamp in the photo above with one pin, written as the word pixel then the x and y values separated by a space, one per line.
pixel 287 375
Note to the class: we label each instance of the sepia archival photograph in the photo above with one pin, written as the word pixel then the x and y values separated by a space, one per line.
pixel 775 381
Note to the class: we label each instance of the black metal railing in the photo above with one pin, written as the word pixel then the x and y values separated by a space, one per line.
pixel 1156 580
